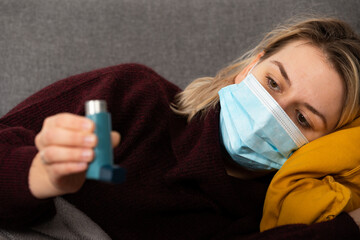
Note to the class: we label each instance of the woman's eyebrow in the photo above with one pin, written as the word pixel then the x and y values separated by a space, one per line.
pixel 282 71
pixel 316 112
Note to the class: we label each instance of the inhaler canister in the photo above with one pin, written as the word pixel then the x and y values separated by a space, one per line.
pixel 102 168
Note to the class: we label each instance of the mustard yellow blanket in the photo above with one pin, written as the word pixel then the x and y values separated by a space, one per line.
pixel 317 182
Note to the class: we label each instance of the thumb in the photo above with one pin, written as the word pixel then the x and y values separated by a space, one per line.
pixel 115 138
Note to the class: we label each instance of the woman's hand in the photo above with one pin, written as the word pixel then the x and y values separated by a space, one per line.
pixel 66 146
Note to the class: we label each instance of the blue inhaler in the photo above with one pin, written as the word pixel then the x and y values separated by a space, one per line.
pixel 102 168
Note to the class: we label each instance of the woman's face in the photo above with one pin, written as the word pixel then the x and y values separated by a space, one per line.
pixel 305 85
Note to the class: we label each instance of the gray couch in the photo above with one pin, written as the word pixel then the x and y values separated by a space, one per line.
pixel 43 41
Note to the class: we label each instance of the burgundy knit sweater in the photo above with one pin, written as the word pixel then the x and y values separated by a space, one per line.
pixel 176 185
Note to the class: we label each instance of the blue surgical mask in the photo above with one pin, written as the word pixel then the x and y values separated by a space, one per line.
pixel 255 130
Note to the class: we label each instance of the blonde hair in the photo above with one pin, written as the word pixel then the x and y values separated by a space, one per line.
pixel 339 43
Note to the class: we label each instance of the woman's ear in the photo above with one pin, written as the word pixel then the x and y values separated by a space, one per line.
pixel 247 69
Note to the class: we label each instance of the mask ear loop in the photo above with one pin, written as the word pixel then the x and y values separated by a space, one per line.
pixel 252 68
pixel 258 57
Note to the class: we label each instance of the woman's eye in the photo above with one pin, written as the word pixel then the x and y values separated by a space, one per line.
pixel 302 120
pixel 273 84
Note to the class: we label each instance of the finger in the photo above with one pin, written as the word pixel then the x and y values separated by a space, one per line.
pixel 56 154
pixel 59 170
pixel 65 137
pixel 38 142
pixel 115 138
pixel 71 121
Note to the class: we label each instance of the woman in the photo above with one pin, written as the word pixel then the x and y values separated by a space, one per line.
pixel 183 180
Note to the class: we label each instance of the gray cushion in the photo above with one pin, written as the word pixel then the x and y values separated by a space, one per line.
pixel 46 40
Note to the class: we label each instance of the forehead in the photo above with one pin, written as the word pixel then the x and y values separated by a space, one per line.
pixel 305 62
pixel 303 55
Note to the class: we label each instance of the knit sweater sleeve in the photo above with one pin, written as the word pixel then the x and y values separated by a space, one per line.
pixel 341 228
pixel 17 205
pixel 18 128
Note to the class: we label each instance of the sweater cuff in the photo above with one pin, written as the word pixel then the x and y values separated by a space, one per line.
pixel 18 206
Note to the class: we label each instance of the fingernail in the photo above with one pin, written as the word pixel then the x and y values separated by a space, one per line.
pixel 86 154
pixel 89 139
pixel 81 165
pixel 87 125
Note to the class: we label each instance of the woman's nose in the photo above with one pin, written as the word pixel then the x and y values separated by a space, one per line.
pixel 285 103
